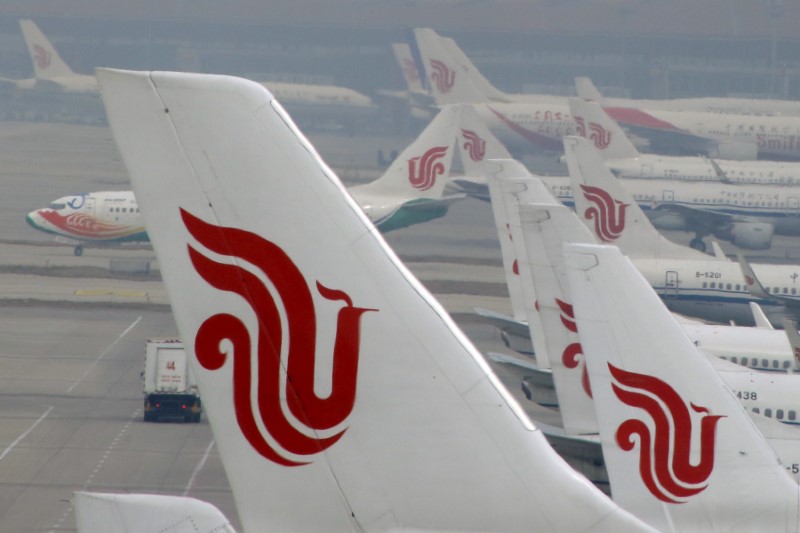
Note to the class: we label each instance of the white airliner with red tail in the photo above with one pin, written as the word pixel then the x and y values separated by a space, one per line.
pixel 537 125
pixel 50 71
pixel 680 450
pixel 690 282
pixel 727 199
pixel 340 393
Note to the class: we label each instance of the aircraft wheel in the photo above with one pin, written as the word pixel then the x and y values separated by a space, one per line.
pixel 79 251
pixel 698 244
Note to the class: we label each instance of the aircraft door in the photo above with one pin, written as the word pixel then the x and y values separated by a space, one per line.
pixel 89 205
pixel 668 196
pixel 671 284
pixel 793 203
pixel 647 170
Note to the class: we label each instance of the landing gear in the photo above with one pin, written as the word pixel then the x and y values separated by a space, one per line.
pixel 78 250
pixel 698 244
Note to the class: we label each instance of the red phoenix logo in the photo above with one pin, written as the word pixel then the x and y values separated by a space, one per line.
pixel 41 56
pixel 599 135
pixel 664 462
pixel 474 145
pixel 423 170
pixel 569 356
pixel 307 408
pixel 410 70
pixel 608 214
pixel 443 76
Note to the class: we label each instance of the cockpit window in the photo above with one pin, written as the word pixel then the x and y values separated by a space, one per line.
pixel 58 205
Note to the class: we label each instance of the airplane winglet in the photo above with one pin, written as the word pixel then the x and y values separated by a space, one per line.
pixel 751 281
pixel 759 317
pixel 723 177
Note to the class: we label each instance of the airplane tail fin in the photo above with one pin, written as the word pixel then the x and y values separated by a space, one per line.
pixel 477 144
pixel 609 211
pixel 607 136
pixel 544 230
pixel 326 368
pixel 47 63
pixel 677 444
pixel 587 90
pixel 411 74
pixel 423 168
pixel 471 71
pixel 448 82
pixel 122 513
pixel 510 186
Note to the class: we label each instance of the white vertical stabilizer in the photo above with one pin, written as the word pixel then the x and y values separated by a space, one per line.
pixel 611 212
pixel 608 137
pixel 448 82
pixel 47 63
pixel 680 450
pixel 261 250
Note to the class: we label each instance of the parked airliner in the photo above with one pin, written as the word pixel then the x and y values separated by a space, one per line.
pixel 539 121
pixel 623 158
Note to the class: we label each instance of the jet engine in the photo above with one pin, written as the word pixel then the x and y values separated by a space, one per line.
pixel 752 235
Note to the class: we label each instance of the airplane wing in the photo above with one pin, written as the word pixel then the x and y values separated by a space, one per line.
pixel 506 323
pixel 433 203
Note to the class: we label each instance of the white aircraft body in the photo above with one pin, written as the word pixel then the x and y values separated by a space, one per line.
pixel 622 157
pixel 690 282
pixel 106 217
pixel 261 249
pixel 722 105
pixel 319 95
pixel 537 121
pixel 411 191
pixel 586 90
pixel 680 450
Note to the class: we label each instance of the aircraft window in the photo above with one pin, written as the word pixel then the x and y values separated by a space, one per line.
pixel 124 209
pixel 776 364
pixel 792 414
pixel 713 284
pixel 734 360
pixel 765 363
pixel 57 206
pixel 775 290
pixel 785 290
pixel 786 364
pixel 756 410
pixel 705 284
pixel 779 414
pixel 794 290
pixel 728 286
pixel 738 287
pixel 768 412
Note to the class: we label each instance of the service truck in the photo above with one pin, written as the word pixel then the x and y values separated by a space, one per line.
pixel 170 390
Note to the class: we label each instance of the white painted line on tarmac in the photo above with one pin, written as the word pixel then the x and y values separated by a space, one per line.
pixel 198 468
pixel 26 433
pixel 102 355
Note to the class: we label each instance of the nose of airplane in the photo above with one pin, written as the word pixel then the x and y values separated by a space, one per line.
pixel 33 219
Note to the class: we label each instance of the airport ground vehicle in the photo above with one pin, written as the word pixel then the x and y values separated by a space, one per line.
pixel 170 390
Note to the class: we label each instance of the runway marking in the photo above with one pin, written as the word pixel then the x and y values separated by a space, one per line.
pixel 26 433
pixel 60 523
pixel 198 468
pixel 105 352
